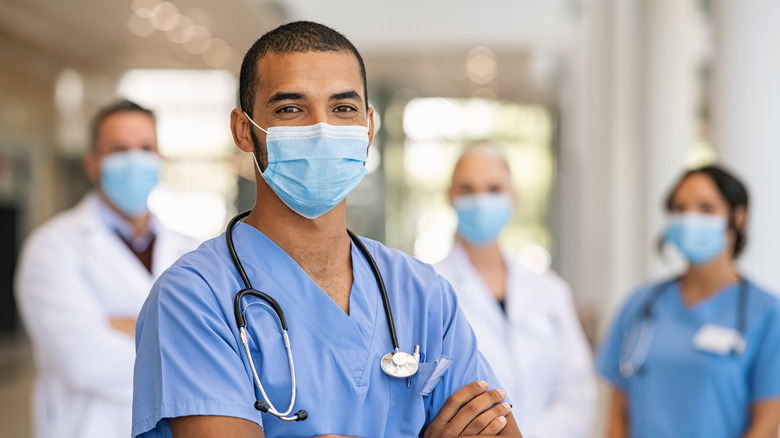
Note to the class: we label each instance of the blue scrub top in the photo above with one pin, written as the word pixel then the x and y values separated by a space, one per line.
pixel 681 390
pixel 190 359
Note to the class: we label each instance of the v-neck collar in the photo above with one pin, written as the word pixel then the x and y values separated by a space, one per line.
pixel 705 302
pixel 307 306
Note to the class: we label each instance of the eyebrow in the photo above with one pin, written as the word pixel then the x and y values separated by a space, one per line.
pixel 281 96
pixel 353 95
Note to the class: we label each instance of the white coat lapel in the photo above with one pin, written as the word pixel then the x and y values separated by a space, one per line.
pixel 531 304
pixel 473 292
pixel 125 282
pixel 168 247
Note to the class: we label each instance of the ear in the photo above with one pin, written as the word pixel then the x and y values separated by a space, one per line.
pixel 513 195
pixel 740 218
pixel 241 129
pixel 451 195
pixel 91 167
pixel 371 131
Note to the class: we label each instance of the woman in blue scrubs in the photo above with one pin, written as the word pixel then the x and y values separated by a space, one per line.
pixel 698 355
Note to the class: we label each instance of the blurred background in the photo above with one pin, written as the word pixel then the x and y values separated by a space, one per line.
pixel 599 105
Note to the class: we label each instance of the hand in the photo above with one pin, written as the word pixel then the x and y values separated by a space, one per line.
pixel 468 412
pixel 125 325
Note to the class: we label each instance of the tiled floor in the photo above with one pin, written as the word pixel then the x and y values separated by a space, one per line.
pixel 16 379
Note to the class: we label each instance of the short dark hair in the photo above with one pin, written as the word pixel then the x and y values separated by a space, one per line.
pixel 295 37
pixel 120 106
pixel 732 190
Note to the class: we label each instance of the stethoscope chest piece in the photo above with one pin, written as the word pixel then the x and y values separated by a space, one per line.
pixel 399 364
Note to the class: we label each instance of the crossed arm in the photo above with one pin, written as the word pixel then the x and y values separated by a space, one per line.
pixel 470 411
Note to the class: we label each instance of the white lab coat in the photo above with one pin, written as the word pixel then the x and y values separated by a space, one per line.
pixel 74 275
pixel 537 349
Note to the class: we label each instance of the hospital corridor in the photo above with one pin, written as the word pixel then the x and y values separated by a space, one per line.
pixel 562 214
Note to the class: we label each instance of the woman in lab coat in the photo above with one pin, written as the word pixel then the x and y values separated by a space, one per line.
pixel 697 355
pixel 524 320
pixel 79 286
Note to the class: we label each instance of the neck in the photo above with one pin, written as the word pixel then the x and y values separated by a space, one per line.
pixel 300 237
pixel 701 281
pixel 488 261
pixel 486 255
pixel 139 223
pixel 321 246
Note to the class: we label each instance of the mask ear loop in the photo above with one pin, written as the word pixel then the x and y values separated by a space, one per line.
pixel 253 122
pixel 254 155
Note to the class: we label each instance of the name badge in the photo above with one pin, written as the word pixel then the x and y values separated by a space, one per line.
pixel 718 339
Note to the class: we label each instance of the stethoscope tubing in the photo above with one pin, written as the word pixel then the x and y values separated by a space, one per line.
pixel 382 290
pixel 271 408
pixel 628 366
pixel 265 405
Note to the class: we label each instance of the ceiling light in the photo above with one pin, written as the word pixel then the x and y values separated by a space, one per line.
pixel 165 16
pixel 144 8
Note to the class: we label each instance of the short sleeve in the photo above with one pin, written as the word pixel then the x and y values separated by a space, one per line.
pixel 765 382
pixel 608 355
pixel 188 360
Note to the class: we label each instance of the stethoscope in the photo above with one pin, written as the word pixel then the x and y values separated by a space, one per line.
pixel 396 364
pixel 631 360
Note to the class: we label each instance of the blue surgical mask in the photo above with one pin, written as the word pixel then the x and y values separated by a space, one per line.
pixel 481 217
pixel 313 168
pixel 127 178
pixel 699 237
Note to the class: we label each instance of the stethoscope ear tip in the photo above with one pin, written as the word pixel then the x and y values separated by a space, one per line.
pixel 262 406
pixel 301 415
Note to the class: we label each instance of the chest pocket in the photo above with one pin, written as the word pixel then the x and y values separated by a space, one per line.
pixel 407 401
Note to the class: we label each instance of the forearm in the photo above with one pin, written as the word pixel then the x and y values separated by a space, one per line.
pixel 764 420
pixel 617 415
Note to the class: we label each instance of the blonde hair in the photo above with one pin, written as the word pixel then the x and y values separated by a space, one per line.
pixel 483 148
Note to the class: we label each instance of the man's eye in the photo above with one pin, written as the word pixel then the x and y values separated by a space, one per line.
pixel 288 109
pixel 343 108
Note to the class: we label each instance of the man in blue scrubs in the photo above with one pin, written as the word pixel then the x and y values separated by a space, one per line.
pixel 305 118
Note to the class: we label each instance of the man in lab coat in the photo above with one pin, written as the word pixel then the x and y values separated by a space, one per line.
pixel 525 321
pixel 83 277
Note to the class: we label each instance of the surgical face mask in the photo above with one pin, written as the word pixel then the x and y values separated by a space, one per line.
pixel 313 168
pixel 481 217
pixel 699 237
pixel 127 178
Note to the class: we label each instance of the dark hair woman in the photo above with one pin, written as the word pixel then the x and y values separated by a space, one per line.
pixel 697 355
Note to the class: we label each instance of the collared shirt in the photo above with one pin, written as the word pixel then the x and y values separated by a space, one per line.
pixel 140 244
pixel 136 242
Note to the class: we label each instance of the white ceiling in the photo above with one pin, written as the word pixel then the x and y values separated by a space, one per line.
pixel 420 44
